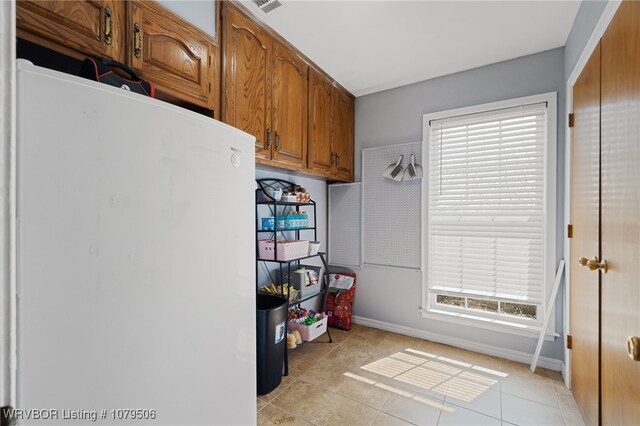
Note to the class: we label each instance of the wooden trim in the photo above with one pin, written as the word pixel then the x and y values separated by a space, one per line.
pixel 52 45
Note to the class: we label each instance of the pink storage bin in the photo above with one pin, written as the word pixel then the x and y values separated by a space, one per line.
pixel 309 333
pixel 287 250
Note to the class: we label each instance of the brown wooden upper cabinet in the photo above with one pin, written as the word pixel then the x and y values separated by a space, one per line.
pixel 289 107
pixel 175 55
pixel 77 28
pixel 265 91
pixel 321 154
pixel 246 79
pixel 330 129
pixel 179 58
pixel 342 138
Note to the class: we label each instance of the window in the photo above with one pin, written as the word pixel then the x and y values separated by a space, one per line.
pixel 490 203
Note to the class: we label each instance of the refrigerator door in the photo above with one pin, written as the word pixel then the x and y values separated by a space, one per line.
pixel 136 258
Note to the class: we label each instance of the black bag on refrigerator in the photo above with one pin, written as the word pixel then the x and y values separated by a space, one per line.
pixel 100 70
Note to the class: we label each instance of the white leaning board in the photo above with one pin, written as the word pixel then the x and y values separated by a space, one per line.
pixel 391 210
pixel 345 224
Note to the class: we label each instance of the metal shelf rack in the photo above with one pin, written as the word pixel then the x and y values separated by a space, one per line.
pixel 277 207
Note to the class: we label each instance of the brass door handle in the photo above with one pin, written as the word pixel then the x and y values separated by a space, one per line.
pixel 633 347
pixel 337 160
pixel 108 25
pixel 277 140
pixel 268 138
pixel 595 264
pixel 137 40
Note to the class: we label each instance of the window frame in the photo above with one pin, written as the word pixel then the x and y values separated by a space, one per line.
pixel 493 321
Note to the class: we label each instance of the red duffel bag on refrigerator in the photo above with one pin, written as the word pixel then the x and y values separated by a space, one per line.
pixel 342 291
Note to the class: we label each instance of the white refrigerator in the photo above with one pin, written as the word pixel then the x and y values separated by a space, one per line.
pixel 136 259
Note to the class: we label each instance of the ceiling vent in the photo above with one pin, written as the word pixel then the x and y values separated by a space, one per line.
pixel 268 5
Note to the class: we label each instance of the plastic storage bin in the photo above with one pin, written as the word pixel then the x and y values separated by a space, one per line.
pixel 314 247
pixel 271 340
pixel 287 250
pixel 310 332
pixel 299 280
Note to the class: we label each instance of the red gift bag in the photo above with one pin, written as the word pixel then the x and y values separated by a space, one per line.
pixel 342 291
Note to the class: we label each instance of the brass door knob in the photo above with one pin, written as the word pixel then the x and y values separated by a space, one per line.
pixel 595 264
pixel 633 347
pixel 583 261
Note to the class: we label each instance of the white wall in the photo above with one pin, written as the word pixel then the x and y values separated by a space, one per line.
pixel 395 116
pixel 7 135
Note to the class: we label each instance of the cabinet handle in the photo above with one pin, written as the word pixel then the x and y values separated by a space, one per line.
pixel 268 138
pixel 277 140
pixel 337 160
pixel 108 25
pixel 137 40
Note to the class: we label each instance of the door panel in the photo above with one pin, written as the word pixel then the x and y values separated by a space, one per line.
pixel 91 27
pixel 620 223
pixel 585 210
pixel 171 53
pixel 320 123
pixel 289 107
pixel 343 134
pixel 247 79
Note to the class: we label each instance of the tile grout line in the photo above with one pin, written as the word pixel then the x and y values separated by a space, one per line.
pixel 501 413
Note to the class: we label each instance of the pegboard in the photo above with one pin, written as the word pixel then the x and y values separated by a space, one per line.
pixel 345 224
pixel 391 210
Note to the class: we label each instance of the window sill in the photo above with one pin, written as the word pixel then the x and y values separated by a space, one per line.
pixel 501 325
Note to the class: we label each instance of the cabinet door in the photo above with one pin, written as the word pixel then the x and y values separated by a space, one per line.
pixel 343 109
pixel 585 208
pixel 79 28
pixel 320 124
pixel 289 103
pixel 171 53
pixel 247 79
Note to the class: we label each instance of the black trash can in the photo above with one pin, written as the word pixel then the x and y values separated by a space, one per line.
pixel 271 332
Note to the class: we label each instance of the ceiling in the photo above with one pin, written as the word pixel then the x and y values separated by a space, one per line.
pixel 369 46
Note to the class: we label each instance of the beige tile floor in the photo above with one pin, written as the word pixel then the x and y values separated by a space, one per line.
pixel 372 377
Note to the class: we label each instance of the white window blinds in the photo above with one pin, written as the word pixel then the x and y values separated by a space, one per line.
pixel 486 204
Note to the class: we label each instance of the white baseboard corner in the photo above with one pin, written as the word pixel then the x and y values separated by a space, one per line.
pixel 513 355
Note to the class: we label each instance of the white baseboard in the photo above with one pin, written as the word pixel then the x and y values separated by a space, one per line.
pixel 544 362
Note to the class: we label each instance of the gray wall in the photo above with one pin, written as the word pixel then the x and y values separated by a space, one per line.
pixel 584 24
pixel 395 116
